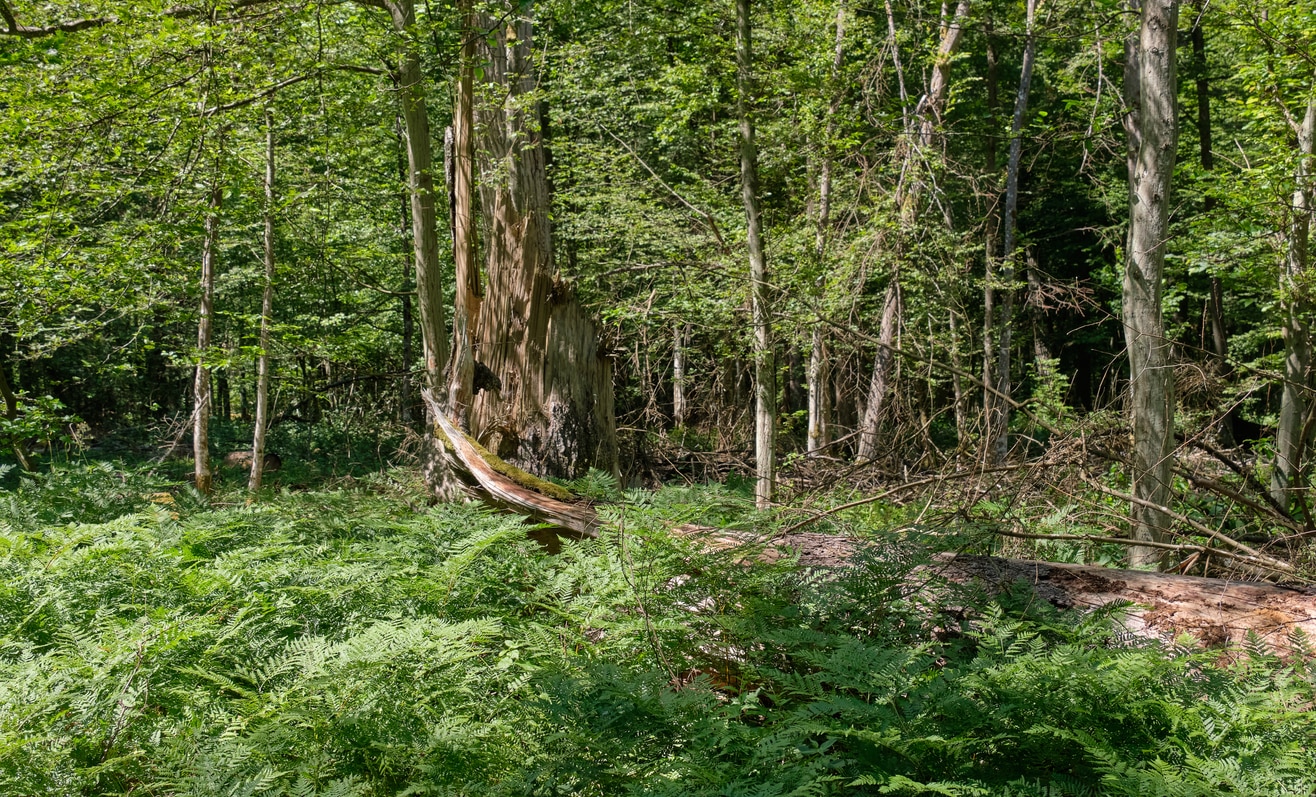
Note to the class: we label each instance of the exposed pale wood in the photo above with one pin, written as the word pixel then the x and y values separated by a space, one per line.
pixel 1215 611
pixel 553 414
pixel 580 518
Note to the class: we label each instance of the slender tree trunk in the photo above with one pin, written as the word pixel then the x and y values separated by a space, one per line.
pixel 201 393
pixel 266 317
pixel 956 380
pixel 1206 156
pixel 408 283
pixel 424 234
pixel 765 391
pixel 880 383
pixel 992 223
pixel 918 139
pixel 11 414
pixel 1289 442
pixel 469 295
pixel 1152 129
pixel 552 410
pixel 1000 428
pixel 819 374
pixel 680 334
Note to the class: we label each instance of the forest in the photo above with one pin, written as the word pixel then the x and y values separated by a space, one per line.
pixel 600 397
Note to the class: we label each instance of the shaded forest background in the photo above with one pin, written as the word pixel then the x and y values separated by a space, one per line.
pixel 944 194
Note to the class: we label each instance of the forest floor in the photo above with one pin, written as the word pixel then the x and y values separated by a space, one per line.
pixel 337 634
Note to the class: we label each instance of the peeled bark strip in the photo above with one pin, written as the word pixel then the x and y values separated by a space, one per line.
pixel 552 413
pixel 505 491
pixel 1152 129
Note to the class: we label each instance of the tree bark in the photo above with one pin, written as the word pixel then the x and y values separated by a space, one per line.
pixel 1152 129
pixel 680 334
pixel 879 385
pixel 1000 427
pixel 765 392
pixel 918 138
pixel 552 412
pixel 1289 442
pixel 266 317
pixel 469 294
pixel 819 373
pixel 201 394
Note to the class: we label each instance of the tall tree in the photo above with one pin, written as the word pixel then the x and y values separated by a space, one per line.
pixel 1290 435
pixel 201 390
pixel 461 164
pixel 913 185
pixel 1151 127
pixel 1000 424
pixel 819 375
pixel 266 316
pixel 765 388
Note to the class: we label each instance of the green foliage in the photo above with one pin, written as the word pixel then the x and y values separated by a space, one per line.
pixel 343 643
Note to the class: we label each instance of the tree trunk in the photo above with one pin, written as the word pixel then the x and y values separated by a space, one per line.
pixel 680 334
pixel 1000 427
pixel 819 374
pixel 201 397
pixel 918 137
pixel 765 391
pixel 551 410
pixel 408 400
pixel 991 224
pixel 1152 129
pixel 1289 441
pixel 424 231
pixel 879 384
pixel 11 414
pixel 266 317
pixel 469 294
pixel 1206 156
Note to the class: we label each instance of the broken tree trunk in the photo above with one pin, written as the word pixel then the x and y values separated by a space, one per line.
pixel 1215 611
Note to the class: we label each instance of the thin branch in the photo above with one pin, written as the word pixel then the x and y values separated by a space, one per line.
pixel 899 488
pixel 262 94
pixel 1193 524
pixel 707 216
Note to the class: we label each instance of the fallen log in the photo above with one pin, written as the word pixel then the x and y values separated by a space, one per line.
pixel 1217 612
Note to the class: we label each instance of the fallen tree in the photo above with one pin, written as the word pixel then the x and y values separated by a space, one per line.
pixel 1217 612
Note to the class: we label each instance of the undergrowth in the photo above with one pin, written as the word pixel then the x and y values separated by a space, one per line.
pixel 347 643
